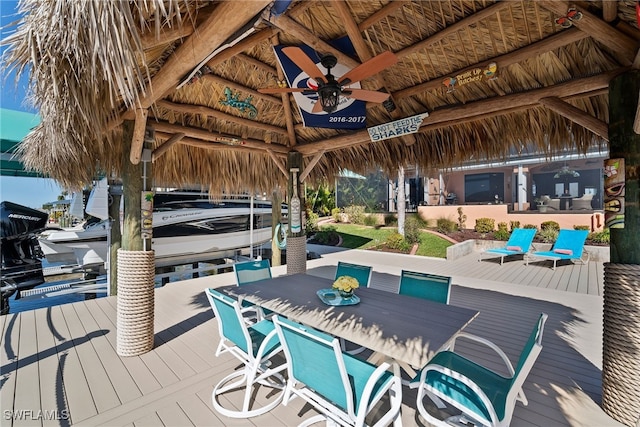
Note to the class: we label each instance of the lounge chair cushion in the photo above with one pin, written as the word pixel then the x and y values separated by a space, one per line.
pixel 563 251
pixel 514 248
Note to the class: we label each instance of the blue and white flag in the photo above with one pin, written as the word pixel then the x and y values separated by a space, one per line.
pixel 351 113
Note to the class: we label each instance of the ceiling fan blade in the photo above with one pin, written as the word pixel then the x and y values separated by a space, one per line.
pixel 369 68
pixel 317 107
pixel 305 63
pixel 284 90
pixel 366 95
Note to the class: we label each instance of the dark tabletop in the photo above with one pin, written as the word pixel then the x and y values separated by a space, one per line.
pixel 404 328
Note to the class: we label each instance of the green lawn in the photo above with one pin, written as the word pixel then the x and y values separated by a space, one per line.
pixel 363 237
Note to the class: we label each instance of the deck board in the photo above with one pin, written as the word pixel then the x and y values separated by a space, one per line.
pixel 76 368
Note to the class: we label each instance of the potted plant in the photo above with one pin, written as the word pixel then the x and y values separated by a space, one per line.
pixel 542 204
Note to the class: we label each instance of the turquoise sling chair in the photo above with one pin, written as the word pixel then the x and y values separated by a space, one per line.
pixel 425 285
pixel 362 273
pixel 483 396
pixel 254 345
pixel 343 388
pixel 250 272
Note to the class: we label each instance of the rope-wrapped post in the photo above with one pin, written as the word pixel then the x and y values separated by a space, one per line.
pixel 621 343
pixel 296 254
pixel 136 276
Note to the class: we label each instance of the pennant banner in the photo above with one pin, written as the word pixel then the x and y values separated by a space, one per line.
pixel 351 114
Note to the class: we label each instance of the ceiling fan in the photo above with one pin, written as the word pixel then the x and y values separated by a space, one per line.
pixel 329 89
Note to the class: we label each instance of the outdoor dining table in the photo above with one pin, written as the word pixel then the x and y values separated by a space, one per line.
pixel 407 329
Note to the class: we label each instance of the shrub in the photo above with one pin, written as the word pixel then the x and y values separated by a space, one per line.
pixel 312 223
pixel 502 226
pixel 501 233
pixel 603 236
pixel 548 235
pixel 445 225
pixel 327 235
pixel 513 225
pixel 412 230
pixel 390 219
pixel 535 227
pixel 335 213
pixel 396 241
pixel 581 227
pixel 550 224
pixel 462 218
pixel 371 220
pixel 485 225
pixel 355 213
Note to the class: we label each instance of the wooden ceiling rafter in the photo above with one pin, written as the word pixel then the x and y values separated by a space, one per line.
pixel 165 146
pixel 219 115
pixel 218 138
pixel 576 115
pixel 363 52
pixel 598 29
pixel 545 45
pixel 286 104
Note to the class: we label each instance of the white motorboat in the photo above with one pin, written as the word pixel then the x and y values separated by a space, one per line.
pixel 183 226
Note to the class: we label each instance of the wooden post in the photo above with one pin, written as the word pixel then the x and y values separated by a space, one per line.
pixel 296 238
pixel 621 319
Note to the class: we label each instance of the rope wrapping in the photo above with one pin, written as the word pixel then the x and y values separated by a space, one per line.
pixel 296 254
pixel 621 343
pixel 136 276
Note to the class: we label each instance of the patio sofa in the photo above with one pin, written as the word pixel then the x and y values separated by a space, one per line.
pixel 583 202
pixel 552 203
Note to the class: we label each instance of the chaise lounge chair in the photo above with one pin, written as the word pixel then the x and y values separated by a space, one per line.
pixel 568 246
pixel 519 243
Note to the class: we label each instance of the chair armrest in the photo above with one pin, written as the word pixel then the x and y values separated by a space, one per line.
pixel 486 342
pixel 371 382
pixel 461 378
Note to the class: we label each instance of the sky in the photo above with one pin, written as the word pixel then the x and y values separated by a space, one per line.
pixel 30 192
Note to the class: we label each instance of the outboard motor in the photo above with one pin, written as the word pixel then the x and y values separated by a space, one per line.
pixel 21 253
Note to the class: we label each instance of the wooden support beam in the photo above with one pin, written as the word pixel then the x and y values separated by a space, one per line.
pixel 252 40
pixel 168 35
pixel 477 110
pixel 576 115
pixel 601 31
pixel 166 146
pixel 210 145
pixel 609 10
pixel 292 28
pixel 211 112
pixel 556 41
pixel 454 28
pixel 382 14
pixel 364 54
pixel 226 19
pixel 279 163
pixel 307 170
pixel 225 139
pixel 286 104
pixel 138 135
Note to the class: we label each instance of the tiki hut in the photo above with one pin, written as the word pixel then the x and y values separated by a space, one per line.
pixel 186 79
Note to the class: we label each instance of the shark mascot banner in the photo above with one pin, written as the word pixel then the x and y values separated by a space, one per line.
pixel 351 113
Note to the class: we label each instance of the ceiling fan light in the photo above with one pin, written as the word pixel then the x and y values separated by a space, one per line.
pixel 328 98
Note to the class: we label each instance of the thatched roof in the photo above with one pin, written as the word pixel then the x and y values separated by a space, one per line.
pixel 95 64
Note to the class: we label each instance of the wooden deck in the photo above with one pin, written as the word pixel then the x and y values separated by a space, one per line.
pixel 60 367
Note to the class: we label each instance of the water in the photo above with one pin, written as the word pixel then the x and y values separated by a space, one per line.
pixel 42 301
